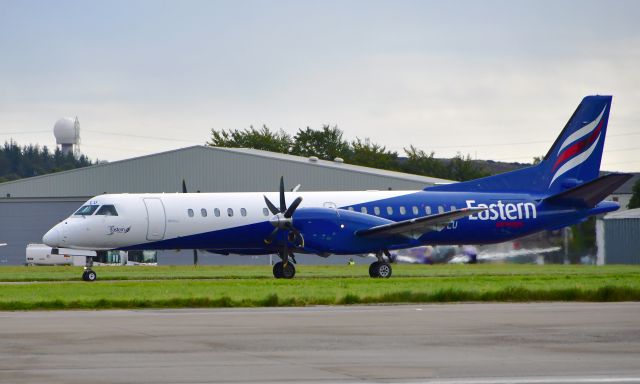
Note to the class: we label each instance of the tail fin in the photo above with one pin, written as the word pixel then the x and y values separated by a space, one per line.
pixel 573 159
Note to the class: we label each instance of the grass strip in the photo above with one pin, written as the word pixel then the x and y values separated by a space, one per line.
pixel 607 293
pixel 505 283
pixel 46 274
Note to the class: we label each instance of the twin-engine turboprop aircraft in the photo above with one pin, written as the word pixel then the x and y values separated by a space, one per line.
pixel 564 189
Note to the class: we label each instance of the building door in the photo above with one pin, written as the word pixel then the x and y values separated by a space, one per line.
pixel 156 220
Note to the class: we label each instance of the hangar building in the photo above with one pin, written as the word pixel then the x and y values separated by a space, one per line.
pixel 29 207
pixel 617 237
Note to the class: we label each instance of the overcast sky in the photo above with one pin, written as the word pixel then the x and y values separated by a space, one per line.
pixel 494 79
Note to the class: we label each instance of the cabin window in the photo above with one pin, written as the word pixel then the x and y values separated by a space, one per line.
pixel 363 209
pixel 190 212
pixel 203 212
pixel 389 210
pixel 230 212
pixel 107 210
pixel 216 212
pixel 265 211
pixel 403 211
pixel 350 208
pixel 243 212
pixel 440 209
pixel 453 208
pixel 415 210
pixel 376 210
pixel 86 210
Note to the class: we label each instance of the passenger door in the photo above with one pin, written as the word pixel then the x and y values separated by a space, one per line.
pixel 156 219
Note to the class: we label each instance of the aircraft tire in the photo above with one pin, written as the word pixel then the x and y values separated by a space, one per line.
pixel 288 271
pixel 373 269
pixel 278 270
pixel 384 270
pixel 89 275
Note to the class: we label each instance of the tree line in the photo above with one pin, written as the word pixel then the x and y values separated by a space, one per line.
pixel 17 161
pixel 328 143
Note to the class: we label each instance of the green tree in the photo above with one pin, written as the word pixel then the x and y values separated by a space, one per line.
pixel 635 198
pixel 326 143
pixel 368 154
pixel 263 138
pixel 420 163
pixel 462 168
pixel 31 160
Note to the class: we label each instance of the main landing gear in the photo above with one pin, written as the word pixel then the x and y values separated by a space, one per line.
pixel 285 269
pixel 89 274
pixel 381 268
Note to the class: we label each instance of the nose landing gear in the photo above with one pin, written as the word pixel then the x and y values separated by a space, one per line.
pixel 89 274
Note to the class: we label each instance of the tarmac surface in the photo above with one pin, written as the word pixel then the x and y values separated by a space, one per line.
pixel 452 343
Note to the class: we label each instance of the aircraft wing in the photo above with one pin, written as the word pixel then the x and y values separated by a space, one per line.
pixel 418 226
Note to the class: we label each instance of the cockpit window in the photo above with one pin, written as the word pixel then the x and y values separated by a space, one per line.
pixel 107 210
pixel 86 210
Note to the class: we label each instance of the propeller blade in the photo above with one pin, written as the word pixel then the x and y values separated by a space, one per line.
pixel 184 186
pixel 283 203
pixel 195 257
pixel 271 207
pixel 271 236
pixel 292 207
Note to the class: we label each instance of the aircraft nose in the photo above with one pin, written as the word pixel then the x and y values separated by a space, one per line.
pixel 52 238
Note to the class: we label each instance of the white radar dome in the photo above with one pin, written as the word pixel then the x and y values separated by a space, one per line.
pixel 67 131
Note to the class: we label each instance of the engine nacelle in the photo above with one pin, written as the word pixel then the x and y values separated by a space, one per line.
pixel 333 230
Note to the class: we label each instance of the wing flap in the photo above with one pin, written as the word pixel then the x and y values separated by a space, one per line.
pixel 418 226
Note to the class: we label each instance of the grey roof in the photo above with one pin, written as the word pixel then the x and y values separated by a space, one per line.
pixel 628 214
pixel 211 169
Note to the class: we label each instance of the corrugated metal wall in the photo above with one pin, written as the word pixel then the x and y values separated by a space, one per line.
pixel 25 222
pixel 622 241
pixel 209 170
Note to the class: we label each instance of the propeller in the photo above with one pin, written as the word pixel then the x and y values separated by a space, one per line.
pixel 281 220
pixel 195 251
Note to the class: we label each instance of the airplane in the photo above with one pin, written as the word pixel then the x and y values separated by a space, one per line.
pixel 564 189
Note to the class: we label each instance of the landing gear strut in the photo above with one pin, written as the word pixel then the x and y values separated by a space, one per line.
pixel 89 274
pixel 380 268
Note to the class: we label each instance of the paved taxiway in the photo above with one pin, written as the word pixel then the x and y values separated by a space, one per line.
pixel 477 343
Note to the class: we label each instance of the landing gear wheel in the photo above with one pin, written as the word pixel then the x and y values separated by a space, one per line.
pixel 380 269
pixel 384 270
pixel 373 269
pixel 277 270
pixel 89 275
pixel 280 271
pixel 288 271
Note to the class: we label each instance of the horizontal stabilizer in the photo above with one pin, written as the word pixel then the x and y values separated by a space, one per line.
pixel 418 226
pixel 588 195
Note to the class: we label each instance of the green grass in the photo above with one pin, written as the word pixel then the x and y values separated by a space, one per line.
pixel 242 286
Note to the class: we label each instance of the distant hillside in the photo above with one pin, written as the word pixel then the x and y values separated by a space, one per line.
pixel 17 162
pixel 496 167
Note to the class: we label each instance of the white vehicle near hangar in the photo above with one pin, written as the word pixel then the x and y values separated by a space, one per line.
pixel 42 254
